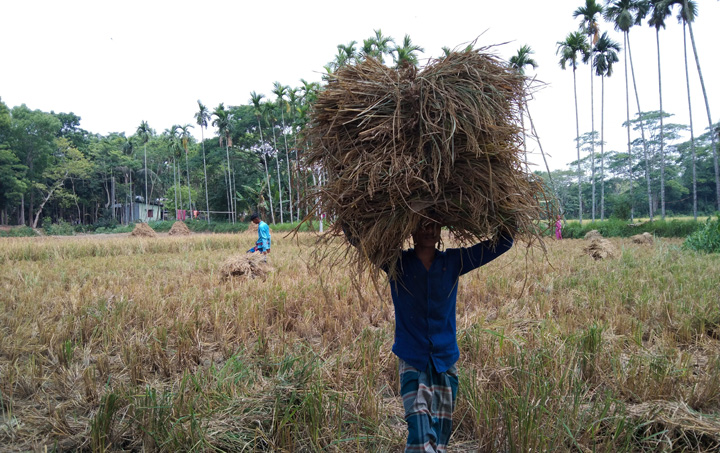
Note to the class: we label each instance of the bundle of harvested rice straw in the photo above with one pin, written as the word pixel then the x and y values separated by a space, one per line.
pixel 248 266
pixel 143 230
pixel 402 145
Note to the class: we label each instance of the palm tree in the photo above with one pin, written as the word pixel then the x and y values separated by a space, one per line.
pixel 407 53
pixel 202 116
pixel 293 106
pixel 144 133
pixel 174 147
pixel 184 140
pixel 605 51
pixel 624 14
pixel 381 45
pixel 589 25
pixel 129 150
pixel 660 10
pixel 688 12
pixel 255 99
pixel 270 116
pixel 280 91
pixel 575 43
pixel 518 62
pixel 222 122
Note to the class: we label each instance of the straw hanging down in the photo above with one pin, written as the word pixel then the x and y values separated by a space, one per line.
pixel 402 145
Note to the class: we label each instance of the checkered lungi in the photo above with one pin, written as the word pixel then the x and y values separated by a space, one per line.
pixel 429 401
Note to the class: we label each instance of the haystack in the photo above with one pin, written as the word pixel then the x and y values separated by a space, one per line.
pixel 402 146
pixel 248 265
pixel 593 234
pixel 600 249
pixel 143 230
pixel 179 229
pixel 645 238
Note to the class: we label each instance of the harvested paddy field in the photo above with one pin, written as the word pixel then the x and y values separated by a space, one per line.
pixel 140 344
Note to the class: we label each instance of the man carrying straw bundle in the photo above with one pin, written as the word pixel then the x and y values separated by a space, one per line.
pixel 424 295
pixel 404 152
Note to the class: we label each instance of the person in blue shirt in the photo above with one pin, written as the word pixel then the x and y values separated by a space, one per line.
pixel 263 243
pixel 424 294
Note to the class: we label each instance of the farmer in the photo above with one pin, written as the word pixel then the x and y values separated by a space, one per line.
pixel 558 228
pixel 424 296
pixel 263 243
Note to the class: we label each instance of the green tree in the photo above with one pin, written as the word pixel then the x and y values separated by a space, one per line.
pixel 222 123
pixel 32 139
pixel 280 91
pixel 144 133
pixel 574 46
pixel 255 99
pixel 688 12
pixel 406 54
pixel 590 26
pixel 184 132
pixel 202 116
pixel 624 14
pixel 660 11
pixel 605 56
pixel 67 162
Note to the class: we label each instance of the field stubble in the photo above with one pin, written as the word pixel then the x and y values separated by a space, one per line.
pixel 138 344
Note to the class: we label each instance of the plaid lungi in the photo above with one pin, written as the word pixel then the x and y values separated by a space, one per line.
pixel 429 401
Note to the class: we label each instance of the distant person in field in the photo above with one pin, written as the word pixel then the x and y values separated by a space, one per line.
pixel 558 229
pixel 424 295
pixel 262 245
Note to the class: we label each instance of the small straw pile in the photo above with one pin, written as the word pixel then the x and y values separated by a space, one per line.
pixel 600 249
pixel 179 229
pixel 593 234
pixel 644 239
pixel 248 265
pixel 402 146
pixel 143 230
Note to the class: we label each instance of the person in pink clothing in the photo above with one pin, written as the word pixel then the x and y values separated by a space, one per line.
pixel 558 229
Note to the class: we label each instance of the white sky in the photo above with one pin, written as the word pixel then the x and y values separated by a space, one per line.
pixel 116 63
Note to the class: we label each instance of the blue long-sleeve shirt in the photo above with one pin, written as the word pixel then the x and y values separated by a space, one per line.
pixel 263 242
pixel 425 302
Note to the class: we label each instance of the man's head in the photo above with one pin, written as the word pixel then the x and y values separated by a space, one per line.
pixel 255 219
pixel 427 233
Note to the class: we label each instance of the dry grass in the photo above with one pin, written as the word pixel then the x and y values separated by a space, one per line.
pixel 136 344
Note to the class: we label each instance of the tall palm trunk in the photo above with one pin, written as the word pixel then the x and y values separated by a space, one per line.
pixel 187 167
pixel 627 112
pixel 707 109
pixel 592 140
pixel 642 132
pixel 522 125
pixel 231 216
pixel 207 197
pixel 267 174
pixel 131 196
pixel 662 131
pixel 602 147
pixel 287 156
pixel 277 163
pixel 692 132
pixel 542 152
pixel 577 144
pixel 147 200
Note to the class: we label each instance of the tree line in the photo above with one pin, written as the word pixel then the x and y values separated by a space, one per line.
pixel 52 169
pixel 652 159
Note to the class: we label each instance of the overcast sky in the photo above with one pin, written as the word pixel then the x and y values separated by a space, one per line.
pixel 116 63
